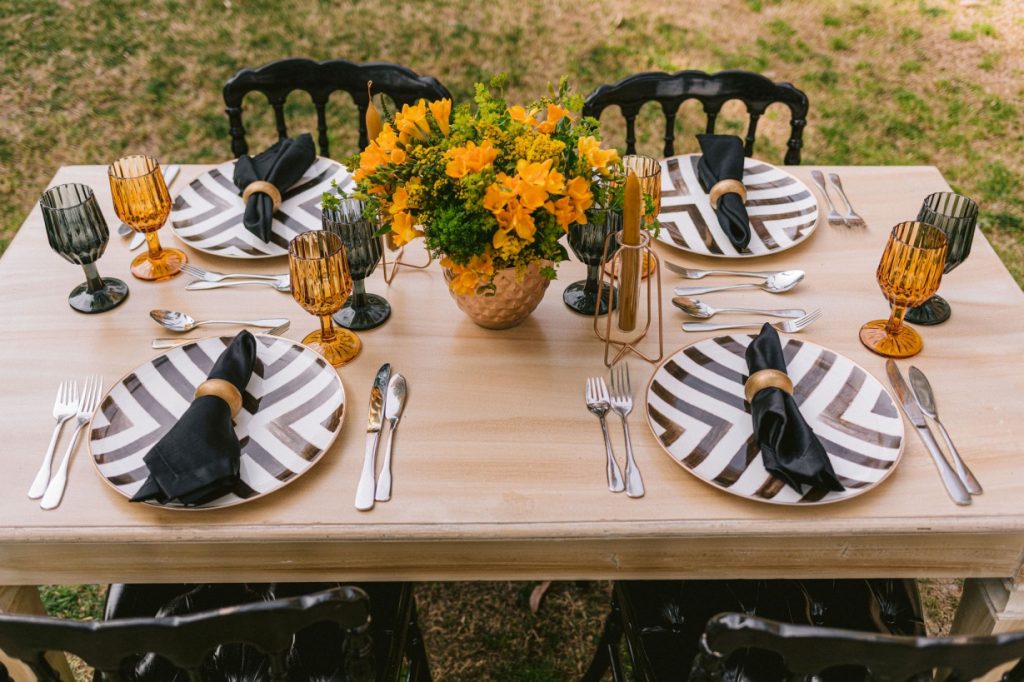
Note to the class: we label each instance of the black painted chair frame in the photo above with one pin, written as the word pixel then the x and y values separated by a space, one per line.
pixel 712 91
pixel 277 80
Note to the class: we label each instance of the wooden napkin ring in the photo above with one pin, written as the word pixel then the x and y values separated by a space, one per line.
pixel 267 188
pixel 765 378
pixel 723 187
pixel 225 390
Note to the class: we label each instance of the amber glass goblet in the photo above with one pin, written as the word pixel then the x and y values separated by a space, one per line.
pixel 77 230
pixel 321 284
pixel 909 272
pixel 648 172
pixel 956 216
pixel 142 201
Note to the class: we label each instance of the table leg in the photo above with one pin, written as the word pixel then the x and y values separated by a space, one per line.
pixel 990 606
pixel 25 599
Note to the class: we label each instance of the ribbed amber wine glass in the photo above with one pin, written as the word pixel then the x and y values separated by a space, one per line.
pixel 321 284
pixel 909 272
pixel 142 201
pixel 648 172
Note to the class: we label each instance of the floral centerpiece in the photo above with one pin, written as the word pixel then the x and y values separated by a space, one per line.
pixel 489 189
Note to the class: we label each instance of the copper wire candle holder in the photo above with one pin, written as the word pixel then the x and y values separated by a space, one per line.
pixel 397 262
pixel 613 266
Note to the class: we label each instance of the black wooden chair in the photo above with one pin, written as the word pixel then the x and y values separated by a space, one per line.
pixel 835 630
pixel 173 633
pixel 279 79
pixel 712 91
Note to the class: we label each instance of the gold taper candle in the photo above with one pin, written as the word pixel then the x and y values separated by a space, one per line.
pixel 373 124
pixel 629 288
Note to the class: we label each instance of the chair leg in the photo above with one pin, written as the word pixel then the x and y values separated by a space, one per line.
pixel 607 654
pixel 416 652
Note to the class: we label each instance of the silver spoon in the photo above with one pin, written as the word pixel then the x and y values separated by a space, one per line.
pixel 397 392
pixel 283 284
pixel 696 308
pixel 926 399
pixel 774 284
pixel 182 322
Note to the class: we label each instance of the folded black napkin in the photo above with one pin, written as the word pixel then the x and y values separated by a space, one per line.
pixel 281 165
pixel 198 459
pixel 722 159
pixel 789 448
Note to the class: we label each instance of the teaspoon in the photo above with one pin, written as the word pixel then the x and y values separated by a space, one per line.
pixel 775 284
pixel 696 308
pixel 182 322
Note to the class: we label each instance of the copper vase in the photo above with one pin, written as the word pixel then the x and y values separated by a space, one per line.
pixel 511 303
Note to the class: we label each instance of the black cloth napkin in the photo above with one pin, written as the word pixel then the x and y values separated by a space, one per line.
pixel 722 159
pixel 281 165
pixel 198 459
pixel 789 448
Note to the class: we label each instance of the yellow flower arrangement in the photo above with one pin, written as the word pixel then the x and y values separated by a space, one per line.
pixel 491 188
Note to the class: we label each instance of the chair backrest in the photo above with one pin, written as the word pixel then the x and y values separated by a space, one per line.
pixel 186 641
pixel 278 79
pixel 810 650
pixel 712 91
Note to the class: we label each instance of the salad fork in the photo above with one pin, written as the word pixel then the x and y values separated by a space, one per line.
pixel 597 403
pixel 852 218
pixel 64 408
pixel 86 406
pixel 786 326
pixel 211 276
pixel 621 401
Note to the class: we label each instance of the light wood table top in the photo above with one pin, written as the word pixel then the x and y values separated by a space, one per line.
pixel 499 469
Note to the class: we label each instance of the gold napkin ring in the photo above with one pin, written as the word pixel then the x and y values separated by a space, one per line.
pixel 723 187
pixel 223 389
pixel 766 378
pixel 267 188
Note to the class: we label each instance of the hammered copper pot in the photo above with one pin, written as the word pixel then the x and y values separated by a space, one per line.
pixel 511 303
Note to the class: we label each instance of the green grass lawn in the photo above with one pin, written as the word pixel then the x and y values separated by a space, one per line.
pixel 914 82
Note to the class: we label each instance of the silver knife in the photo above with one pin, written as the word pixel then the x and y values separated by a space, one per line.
pixel 378 394
pixel 139 238
pixel 954 486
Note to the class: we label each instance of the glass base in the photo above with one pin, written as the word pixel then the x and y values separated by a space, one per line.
pixel 342 349
pixel 585 302
pixel 933 311
pixel 113 294
pixel 376 311
pixel 903 344
pixel 166 265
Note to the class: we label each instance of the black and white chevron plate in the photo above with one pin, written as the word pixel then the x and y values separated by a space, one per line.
pixel 207 214
pixel 696 408
pixel 783 211
pixel 292 411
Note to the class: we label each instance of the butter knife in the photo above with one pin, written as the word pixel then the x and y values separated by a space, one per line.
pixel 954 486
pixel 378 395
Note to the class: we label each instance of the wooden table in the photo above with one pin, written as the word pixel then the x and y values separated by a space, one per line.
pixel 499 469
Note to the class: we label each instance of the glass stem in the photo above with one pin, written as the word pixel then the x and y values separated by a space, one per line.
pixel 153 242
pixel 359 294
pixel 93 281
pixel 593 274
pixel 326 329
pixel 895 319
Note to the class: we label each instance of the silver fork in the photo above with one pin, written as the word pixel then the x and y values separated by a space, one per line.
pixel 167 342
pixel 597 403
pixel 787 326
pixel 621 401
pixel 833 215
pixel 170 172
pixel 211 276
pixel 64 408
pixel 87 405
pixel 852 218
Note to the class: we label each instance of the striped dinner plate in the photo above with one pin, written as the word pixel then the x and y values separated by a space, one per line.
pixel 783 211
pixel 696 408
pixel 207 215
pixel 292 411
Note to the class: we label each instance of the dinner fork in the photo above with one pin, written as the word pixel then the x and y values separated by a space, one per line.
pixel 852 218
pixel 787 326
pixel 91 392
pixel 64 408
pixel 211 276
pixel 621 401
pixel 597 403
pixel 833 215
